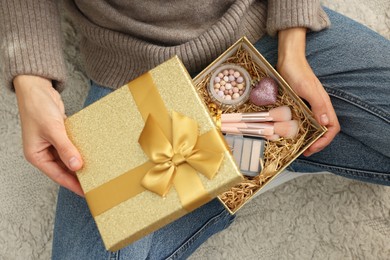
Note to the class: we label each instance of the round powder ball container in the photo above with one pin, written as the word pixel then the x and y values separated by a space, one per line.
pixel 230 85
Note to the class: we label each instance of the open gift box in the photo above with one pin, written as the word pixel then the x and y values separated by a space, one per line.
pixel 278 153
pixel 152 152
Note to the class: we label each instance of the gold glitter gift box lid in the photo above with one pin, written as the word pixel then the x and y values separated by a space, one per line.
pixel 107 135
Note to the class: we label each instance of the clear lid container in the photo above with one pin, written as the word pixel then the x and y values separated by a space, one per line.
pixel 230 85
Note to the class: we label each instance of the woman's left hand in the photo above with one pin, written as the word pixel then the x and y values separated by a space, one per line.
pixel 295 69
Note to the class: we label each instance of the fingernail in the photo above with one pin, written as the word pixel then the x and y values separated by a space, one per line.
pixel 74 163
pixel 324 119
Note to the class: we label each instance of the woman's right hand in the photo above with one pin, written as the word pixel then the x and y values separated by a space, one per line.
pixel 295 69
pixel 45 141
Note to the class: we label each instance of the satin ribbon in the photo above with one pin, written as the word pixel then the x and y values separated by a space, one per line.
pixel 216 114
pixel 177 163
pixel 176 152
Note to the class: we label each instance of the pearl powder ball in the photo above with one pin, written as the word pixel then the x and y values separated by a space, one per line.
pixel 229 84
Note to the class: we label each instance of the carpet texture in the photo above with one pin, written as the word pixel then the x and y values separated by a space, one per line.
pixel 311 217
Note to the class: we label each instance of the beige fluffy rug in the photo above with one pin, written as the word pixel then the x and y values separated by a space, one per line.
pixel 311 217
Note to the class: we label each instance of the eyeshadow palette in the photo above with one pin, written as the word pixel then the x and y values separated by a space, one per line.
pixel 248 153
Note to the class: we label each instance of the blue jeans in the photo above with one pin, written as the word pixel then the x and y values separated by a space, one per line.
pixel 352 63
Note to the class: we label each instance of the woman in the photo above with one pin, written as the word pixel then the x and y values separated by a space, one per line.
pixel 341 71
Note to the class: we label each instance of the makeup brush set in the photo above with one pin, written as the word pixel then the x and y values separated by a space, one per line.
pixel 270 125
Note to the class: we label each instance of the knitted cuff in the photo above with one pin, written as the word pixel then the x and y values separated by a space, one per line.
pixel 283 14
pixel 31 41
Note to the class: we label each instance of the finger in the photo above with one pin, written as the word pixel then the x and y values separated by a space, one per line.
pixel 333 127
pixel 65 149
pixel 321 106
pixel 63 178
pixel 318 146
pixel 322 142
pixel 54 171
pixel 57 159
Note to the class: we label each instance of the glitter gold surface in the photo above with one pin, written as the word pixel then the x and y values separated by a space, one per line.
pixel 107 132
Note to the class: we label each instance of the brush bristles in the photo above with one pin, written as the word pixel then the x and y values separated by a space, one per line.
pixel 282 113
pixel 272 137
pixel 287 129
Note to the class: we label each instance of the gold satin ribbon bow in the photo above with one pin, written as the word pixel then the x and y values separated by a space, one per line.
pixel 216 114
pixel 176 154
pixel 178 162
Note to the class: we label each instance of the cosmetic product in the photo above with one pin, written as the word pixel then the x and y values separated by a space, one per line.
pixel 248 153
pixel 230 85
pixel 265 92
pixel 282 113
pixel 271 137
pixel 286 129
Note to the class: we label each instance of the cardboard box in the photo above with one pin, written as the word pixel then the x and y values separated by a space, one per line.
pixel 283 151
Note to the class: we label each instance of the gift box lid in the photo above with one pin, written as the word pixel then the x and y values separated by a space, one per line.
pixel 122 138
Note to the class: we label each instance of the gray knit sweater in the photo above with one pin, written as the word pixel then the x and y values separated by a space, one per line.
pixel 122 39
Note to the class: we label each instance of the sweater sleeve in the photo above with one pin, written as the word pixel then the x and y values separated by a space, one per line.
pixel 31 41
pixel 283 14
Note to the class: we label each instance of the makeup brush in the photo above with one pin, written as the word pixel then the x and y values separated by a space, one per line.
pixel 267 137
pixel 271 137
pixel 282 113
pixel 287 129
pixel 248 128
